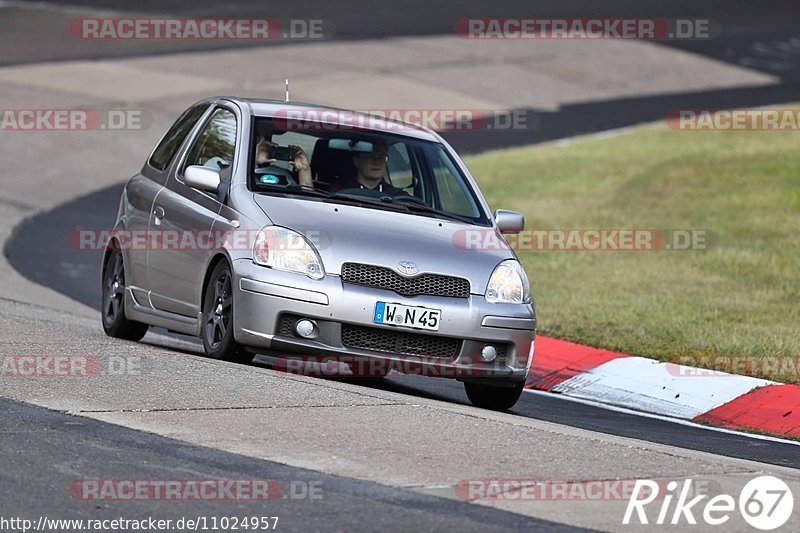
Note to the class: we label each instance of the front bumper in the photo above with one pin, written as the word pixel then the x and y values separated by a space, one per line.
pixel 268 302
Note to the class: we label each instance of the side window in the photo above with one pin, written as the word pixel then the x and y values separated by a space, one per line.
pixel 454 195
pixel 216 142
pixel 165 151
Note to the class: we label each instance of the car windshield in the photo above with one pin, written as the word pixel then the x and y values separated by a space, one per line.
pixel 376 169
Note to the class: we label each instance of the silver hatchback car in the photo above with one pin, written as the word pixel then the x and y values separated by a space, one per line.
pixel 310 234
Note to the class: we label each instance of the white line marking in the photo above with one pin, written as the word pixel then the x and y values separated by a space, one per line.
pixel 657 387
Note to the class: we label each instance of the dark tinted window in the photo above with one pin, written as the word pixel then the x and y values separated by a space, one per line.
pixel 163 154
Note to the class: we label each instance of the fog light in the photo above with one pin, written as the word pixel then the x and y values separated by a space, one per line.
pixel 305 328
pixel 489 353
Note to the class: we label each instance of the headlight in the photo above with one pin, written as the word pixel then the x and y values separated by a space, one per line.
pixel 508 284
pixel 284 249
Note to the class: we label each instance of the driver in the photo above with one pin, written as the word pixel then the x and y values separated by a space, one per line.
pixel 371 169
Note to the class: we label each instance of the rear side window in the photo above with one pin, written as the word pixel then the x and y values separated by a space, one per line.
pixel 165 151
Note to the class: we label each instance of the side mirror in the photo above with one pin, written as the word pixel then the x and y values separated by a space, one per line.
pixel 509 221
pixel 202 178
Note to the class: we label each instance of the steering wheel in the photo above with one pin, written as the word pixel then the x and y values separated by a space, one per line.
pixel 410 200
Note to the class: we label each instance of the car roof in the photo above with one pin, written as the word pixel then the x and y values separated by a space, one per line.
pixel 333 115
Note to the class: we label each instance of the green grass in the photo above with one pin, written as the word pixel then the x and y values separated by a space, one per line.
pixel 741 296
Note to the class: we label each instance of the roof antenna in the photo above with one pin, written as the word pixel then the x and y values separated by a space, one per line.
pixel 287 90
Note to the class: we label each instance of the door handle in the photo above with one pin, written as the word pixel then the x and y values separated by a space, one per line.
pixel 158 214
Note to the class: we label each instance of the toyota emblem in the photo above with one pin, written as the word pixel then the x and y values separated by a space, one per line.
pixel 409 268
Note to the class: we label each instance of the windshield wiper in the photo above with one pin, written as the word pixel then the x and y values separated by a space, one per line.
pixel 299 189
pixel 424 208
pixel 383 202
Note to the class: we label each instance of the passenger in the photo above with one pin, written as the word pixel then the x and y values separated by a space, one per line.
pixel 300 162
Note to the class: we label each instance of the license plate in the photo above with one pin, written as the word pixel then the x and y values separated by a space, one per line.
pixel 408 316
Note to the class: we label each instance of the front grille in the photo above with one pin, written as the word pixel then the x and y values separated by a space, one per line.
pixel 286 325
pixel 502 352
pixel 388 279
pixel 399 342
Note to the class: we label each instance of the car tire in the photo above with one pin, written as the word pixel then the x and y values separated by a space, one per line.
pixel 115 323
pixel 217 326
pixel 493 397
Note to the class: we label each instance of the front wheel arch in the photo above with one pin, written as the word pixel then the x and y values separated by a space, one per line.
pixel 212 264
pixel 226 348
pixel 113 246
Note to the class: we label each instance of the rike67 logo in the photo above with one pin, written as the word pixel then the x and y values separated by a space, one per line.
pixel 766 503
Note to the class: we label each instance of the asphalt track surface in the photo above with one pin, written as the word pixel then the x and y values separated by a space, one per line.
pixel 38 443
pixel 43 240
pixel 743 23
pixel 748 36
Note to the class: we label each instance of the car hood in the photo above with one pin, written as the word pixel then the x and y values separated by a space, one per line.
pixel 347 233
